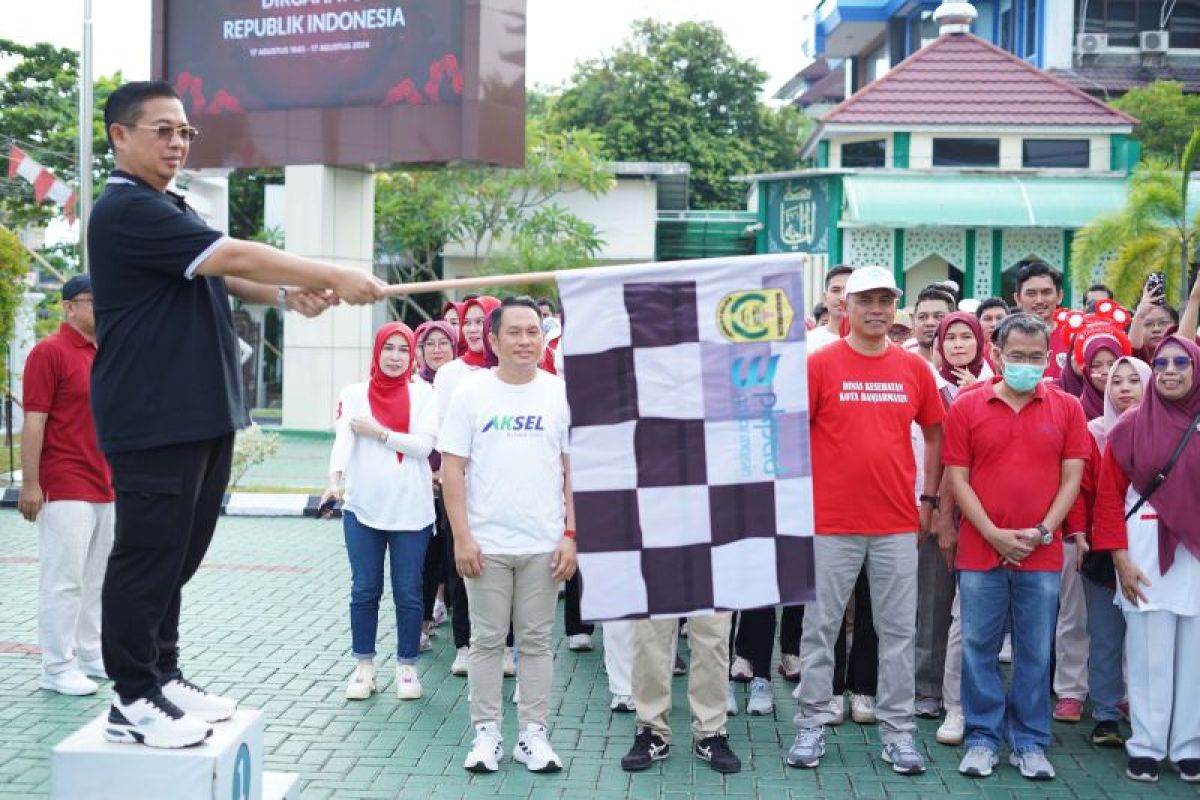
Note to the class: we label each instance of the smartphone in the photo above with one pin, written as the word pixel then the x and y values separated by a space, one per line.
pixel 1156 284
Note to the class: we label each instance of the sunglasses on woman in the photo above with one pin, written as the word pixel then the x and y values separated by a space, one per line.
pixel 1180 363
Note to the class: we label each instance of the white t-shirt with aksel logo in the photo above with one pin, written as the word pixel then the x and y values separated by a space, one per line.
pixel 513 437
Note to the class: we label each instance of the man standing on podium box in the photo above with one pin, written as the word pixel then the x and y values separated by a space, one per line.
pixel 167 398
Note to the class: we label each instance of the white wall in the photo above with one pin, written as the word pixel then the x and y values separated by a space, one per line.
pixel 1060 28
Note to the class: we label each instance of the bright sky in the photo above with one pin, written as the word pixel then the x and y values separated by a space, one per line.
pixel 560 31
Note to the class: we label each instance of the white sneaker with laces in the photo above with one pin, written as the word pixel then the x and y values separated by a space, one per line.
pixel 70 682
pixel 408 685
pixel 950 732
pixel 761 700
pixel 534 751
pixel 439 612
pixel 155 722
pixel 486 749
pixel 459 667
pixel 93 668
pixel 426 643
pixel 510 664
pixel 837 707
pixel 362 682
pixel 622 704
pixel 197 702
pixel 862 709
pixel 789 667
pixel 740 670
pixel 580 643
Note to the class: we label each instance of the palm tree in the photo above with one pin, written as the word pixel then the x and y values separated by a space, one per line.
pixel 1152 233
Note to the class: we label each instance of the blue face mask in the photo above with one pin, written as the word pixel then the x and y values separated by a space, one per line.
pixel 1023 378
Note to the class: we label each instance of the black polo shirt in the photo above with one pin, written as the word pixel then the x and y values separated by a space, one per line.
pixel 166 369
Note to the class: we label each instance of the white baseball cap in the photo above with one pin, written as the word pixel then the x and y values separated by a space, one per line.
pixel 864 279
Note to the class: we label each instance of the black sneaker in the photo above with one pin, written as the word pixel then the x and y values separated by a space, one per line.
pixel 1143 769
pixel 648 747
pixel 1189 769
pixel 715 750
pixel 1107 733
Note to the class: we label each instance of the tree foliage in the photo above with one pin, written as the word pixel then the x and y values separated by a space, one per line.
pixel 1168 117
pixel 14 264
pixel 39 112
pixel 1152 233
pixel 680 93
pixel 507 218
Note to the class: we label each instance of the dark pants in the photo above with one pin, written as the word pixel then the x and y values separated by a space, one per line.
pixel 857 670
pixel 455 595
pixel 434 572
pixel 168 501
pixel 571 616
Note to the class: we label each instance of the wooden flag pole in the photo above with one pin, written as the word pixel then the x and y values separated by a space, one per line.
pixel 454 284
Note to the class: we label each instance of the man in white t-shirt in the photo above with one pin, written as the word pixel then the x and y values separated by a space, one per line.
pixel 506 485
pixel 835 302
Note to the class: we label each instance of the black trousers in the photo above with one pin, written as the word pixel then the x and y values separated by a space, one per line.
pixel 168 501
pixel 856 670
pixel 571 616
pixel 433 573
pixel 455 595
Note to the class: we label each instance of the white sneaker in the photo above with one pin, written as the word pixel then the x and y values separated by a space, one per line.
pixel 198 703
pixel 93 669
pixel 789 667
pixel 862 709
pixel 439 612
pixel 950 732
pixel 740 670
pixel 459 667
pixel 408 685
pixel 761 700
pixel 534 751
pixel 1006 649
pixel 580 643
pixel 510 664
pixel 837 707
pixel 622 704
pixel 486 750
pixel 155 722
pixel 362 682
pixel 426 643
pixel 516 698
pixel 69 681
pixel 731 703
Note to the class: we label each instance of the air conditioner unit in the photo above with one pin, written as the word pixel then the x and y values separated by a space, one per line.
pixel 1091 43
pixel 1154 41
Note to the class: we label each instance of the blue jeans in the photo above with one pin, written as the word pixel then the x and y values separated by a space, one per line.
pixel 366 548
pixel 986 599
pixel 1106 650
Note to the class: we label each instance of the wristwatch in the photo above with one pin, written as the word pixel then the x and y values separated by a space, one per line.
pixel 1047 536
pixel 934 501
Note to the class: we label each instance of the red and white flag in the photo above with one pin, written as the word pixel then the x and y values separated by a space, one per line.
pixel 45 183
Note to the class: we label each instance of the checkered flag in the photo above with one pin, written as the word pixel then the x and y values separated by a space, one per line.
pixel 689 436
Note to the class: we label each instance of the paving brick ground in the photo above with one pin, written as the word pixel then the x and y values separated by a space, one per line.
pixel 266 622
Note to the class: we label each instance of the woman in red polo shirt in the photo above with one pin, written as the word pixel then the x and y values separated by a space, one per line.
pixel 1156 553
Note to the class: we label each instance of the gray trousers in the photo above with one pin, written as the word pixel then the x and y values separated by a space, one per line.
pixel 935 595
pixel 892 573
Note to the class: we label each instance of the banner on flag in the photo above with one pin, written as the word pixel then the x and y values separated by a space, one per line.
pixel 45 183
pixel 689 435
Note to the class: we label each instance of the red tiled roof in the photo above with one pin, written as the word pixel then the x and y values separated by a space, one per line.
pixel 959 79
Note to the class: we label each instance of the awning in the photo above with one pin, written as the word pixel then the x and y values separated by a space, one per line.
pixel 897 200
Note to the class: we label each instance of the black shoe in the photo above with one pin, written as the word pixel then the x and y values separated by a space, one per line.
pixel 1143 769
pixel 1107 733
pixel 715 750
pixel 648 747
pixel 681 666
pixel 1189 769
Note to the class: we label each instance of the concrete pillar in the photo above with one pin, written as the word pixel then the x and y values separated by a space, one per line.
pixel 329 215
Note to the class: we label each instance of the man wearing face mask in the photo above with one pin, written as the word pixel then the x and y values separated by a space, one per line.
pixel 1014 455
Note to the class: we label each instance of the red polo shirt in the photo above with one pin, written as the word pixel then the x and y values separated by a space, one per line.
pixel 1015 459
pixel 57 383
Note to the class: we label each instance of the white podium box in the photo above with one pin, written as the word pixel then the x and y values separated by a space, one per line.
pixel 228 766
pixel 281 786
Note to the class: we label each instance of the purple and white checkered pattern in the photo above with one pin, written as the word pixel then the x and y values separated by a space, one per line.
pixel 689 451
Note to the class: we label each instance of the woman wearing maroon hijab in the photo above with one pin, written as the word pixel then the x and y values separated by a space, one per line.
pixel 1099 354
pixel 1157 557
pixel 961 351
pixel 385 430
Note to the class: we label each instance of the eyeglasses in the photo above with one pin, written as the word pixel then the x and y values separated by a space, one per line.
pixel 1180 363
pixel 168 132
pixel 1019 358
pixel 436 344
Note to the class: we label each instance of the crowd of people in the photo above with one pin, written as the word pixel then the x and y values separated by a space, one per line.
pixel 990 484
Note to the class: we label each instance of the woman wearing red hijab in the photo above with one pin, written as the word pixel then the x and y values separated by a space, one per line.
pixel 1156 551
pixel 385 431
pixel 452 314
pixel 472 350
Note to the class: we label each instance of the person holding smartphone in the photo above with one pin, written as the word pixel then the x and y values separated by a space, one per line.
pixel 385 431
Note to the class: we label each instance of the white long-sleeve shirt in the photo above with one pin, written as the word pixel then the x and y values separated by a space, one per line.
pixel 382 491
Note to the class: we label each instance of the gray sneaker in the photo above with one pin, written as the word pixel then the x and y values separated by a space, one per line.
pixel 807 749
pixel 978 762
pixel 731 703
pixel 1033 765
pixel 762 701
pixel 903 756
